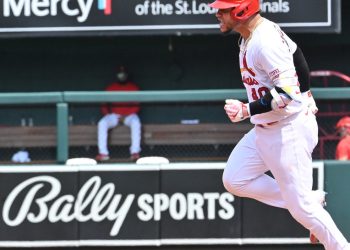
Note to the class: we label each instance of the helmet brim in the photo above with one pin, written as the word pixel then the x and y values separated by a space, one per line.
pixel 222 4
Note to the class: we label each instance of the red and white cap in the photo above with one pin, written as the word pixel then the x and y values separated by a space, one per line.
pixel 243 9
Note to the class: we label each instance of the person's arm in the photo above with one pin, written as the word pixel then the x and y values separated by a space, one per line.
pixel 106 107
pixel 302 69
pixel 303 72
pixel 263 104
pixel 281 68
pixel 134 107
pixel 275 99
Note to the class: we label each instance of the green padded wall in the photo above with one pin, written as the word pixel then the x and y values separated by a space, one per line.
pixel 337 176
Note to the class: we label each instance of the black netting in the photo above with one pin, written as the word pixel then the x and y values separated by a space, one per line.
pixel 178 153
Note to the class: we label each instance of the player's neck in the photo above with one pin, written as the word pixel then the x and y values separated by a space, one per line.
pixel 250 26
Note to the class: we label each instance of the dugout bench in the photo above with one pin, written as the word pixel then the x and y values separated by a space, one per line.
pixel 152 135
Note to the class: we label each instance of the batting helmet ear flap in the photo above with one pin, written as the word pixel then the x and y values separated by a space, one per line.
pixel 237 13
pixel 242 9
pixel 245 9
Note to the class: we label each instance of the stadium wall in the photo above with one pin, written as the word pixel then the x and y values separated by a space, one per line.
pixel 155 205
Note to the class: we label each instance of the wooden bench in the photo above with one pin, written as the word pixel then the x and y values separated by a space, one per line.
pixel 152 134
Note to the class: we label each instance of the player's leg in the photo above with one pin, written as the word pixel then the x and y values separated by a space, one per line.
pixel 245 176
pixel 133 121
pixel 287 149
pixel 107 122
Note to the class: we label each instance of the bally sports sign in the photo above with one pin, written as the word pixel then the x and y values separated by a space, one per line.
pixel 97 202
pixel 114 205
pixel 136 17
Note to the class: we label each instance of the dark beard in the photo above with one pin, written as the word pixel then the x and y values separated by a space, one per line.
pixel 227 33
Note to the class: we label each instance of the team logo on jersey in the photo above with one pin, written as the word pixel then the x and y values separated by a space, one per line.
pixel 106 6
pixel 245 65
pixel 249 81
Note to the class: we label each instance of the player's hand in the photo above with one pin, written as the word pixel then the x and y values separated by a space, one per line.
pixel 282 102
pixel 236 110
pixel 310 102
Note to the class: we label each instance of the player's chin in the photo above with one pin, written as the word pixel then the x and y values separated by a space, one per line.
pixel 224 29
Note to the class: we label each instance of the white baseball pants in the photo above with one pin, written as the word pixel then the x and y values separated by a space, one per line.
pixel 285 149
pixel 110 121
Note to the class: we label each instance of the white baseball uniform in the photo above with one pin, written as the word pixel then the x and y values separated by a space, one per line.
pixel 282 141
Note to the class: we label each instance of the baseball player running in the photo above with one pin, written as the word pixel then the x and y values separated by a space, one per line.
pixel 285 131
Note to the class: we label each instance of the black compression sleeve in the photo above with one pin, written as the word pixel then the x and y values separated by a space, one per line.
pixel 302 69
pixel 262 105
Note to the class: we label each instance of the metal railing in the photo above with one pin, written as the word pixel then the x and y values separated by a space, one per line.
pixel 63 99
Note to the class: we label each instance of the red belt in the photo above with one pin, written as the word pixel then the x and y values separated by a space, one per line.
pixel 264 125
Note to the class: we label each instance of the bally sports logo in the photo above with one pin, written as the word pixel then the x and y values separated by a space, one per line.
pixel 42 8
pixel 39 199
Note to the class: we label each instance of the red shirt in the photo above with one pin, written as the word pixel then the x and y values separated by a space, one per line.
pixel 343 149
pixel 121 108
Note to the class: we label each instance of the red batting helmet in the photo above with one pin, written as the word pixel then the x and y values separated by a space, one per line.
pixel 243 9
pixel 344 124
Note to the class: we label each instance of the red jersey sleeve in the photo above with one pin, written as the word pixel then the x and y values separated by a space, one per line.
pixel 105 109
pixel 343 150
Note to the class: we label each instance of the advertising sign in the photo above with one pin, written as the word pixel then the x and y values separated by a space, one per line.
pixel 114 205
pixel 138 17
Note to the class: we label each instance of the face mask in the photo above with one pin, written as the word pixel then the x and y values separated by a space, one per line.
pixel 122 76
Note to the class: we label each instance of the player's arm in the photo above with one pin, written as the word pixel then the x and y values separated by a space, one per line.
pixel 278 97
pixel 303 72
pixel 276 60
pixel 267 103
pixel 275 99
